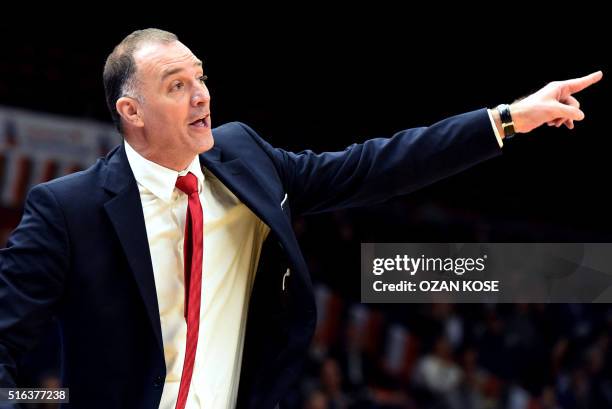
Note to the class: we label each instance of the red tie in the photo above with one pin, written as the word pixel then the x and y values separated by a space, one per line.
pixel 194 235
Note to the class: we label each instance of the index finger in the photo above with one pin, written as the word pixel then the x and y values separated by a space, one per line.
pixel 578 84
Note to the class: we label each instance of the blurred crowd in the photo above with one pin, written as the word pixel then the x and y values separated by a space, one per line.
pixel 468 356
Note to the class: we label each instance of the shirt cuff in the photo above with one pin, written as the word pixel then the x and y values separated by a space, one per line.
pixel 499 139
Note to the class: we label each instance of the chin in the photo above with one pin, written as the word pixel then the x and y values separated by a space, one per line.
pixel 206 144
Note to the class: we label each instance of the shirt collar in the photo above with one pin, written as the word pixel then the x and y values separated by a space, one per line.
pixel 160 180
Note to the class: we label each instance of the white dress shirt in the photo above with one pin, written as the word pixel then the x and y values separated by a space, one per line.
pixel 233 237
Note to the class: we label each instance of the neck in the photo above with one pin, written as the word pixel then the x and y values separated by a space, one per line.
pixel 169 158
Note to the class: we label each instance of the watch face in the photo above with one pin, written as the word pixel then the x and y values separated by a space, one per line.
pixel 508 129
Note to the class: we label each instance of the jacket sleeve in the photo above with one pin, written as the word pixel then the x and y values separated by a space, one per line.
pixel 32 270
pixel 379 169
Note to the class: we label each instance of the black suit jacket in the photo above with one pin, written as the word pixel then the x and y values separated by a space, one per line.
pixel 81 253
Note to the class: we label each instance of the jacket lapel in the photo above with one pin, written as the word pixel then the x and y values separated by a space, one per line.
pixel 126 215
pixel 243 182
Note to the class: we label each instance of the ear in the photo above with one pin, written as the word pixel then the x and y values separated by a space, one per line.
pixel 129 109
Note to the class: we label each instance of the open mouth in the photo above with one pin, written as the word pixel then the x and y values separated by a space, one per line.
pixel 203 122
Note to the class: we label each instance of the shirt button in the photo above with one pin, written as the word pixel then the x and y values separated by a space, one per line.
pixel 180 246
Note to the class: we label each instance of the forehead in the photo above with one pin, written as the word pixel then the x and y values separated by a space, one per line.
pixel 154 59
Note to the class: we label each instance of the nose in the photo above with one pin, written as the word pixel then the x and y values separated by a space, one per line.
pixel 200 96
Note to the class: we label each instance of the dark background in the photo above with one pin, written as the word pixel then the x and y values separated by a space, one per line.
pixel 323 83
pixel 318 79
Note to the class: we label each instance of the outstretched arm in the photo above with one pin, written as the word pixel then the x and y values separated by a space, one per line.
pixel 378 169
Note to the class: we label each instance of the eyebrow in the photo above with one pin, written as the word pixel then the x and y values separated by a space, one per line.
pixel 173 71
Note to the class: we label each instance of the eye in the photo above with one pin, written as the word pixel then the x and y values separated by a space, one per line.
pixel 177 85
pixel 203 78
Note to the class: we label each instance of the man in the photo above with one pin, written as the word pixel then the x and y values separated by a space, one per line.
pixel 172 263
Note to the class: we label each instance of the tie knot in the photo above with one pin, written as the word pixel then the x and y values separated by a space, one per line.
pixel 188 184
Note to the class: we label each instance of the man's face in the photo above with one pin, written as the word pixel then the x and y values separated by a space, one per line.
pixel 175 107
